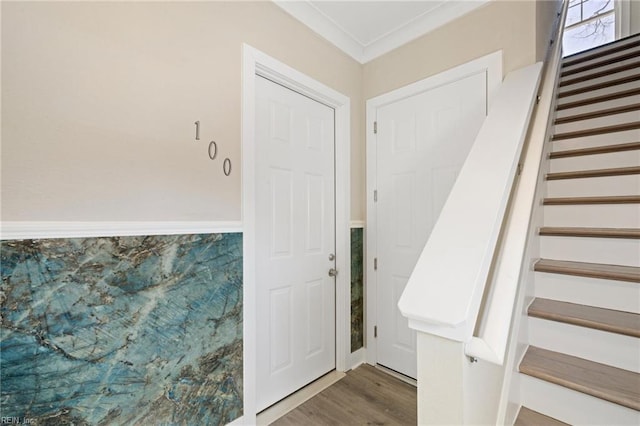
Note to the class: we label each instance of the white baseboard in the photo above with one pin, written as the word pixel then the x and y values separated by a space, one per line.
pixel 358 358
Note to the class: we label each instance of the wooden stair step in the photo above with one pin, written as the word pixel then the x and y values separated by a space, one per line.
pixel 600 51
pixel 630 233
pixel 615 199
pixel 602 381
pixel 597 131
pixel 611 71
pixel 626 323
pixel 578 174
pixel 602 85
pixel 528 417
pixel 602 63
pixel 632 146
pixel 598 99
pixel 590 270
pixel 597 114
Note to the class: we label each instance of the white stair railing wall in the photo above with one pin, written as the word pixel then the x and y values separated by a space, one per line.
pixel 463 297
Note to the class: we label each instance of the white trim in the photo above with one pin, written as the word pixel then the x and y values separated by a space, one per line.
pixel 357 358
pixel 357 224
pixel 305 12
pixel 258 63
pixel 492 65
pixel 39 230
pixel 623 18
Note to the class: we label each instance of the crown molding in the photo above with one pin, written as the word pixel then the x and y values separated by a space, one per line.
pixel 305 12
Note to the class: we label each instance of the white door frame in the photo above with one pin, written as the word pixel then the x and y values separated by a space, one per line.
pixel 492 65
pixel 255 63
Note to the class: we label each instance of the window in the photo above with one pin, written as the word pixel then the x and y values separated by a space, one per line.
pixel 589 23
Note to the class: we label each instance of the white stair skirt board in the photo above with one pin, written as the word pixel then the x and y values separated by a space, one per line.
pixel 560 403
pixel 612 349
pixel 298 398
pixel 613 75
pixel 613 251
pixel 588 187
pixel 609 294
pixel 599 59
pixel 600 92
pixel 597 216
pixel 593 162
pixel 628 136
pixel 599 106
pixel 593 123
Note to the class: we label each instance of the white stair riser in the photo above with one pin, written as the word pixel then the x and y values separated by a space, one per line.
pixel 597 161
pixel 593 123
pixel 611 349
pixel 600 59
pixel 573 407
pixel 603 79
pixel 589 215
pixel 599 106
pixel 589 187
pixel 608 294
pixel 605 139
pixel 612 251
pixel 600 92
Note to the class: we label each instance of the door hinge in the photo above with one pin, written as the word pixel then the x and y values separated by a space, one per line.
pixel 375 331
pixel 375 195
pixel 375 127
pixel 519 169
pixel 375 263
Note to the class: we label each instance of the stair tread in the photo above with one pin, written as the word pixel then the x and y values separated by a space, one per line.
pixel 602 381
pixel 597 114
pixel 601 85
pixel 626 323
pixel 598 99
pixel 631 146
pixel 528 417
pixel 611 71
pixel 614 199
pixel 590 232
pixel 586 269
pixel 577 174
pixel 601 63
pixel 599 51
pixel 597 131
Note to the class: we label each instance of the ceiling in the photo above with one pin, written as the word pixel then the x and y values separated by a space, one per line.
pixel 366 29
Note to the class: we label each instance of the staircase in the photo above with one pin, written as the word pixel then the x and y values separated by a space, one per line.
pixel 583 361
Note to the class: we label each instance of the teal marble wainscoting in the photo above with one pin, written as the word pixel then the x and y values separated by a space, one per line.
pixel 122 330
pixel 357 289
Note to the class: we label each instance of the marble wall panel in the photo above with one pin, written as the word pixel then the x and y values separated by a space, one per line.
pixel 123 330
pixel 357 289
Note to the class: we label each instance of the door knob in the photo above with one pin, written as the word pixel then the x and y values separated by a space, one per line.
pixel 333 272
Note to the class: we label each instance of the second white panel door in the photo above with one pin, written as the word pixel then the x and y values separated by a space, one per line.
pixel 422 142
pixel 295 241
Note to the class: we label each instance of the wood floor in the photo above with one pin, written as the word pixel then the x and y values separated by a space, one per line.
pixel 366 396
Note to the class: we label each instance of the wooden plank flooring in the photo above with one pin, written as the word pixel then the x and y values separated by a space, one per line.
pixel 365 396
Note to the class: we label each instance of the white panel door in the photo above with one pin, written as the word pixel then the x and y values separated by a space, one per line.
pixel 422 142
pixel 295 236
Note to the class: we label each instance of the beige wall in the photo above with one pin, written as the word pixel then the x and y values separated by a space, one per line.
pixel 546 16
pixel 99 102
pixel 507 25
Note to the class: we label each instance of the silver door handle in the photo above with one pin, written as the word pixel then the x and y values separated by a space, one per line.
pixel 333 272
